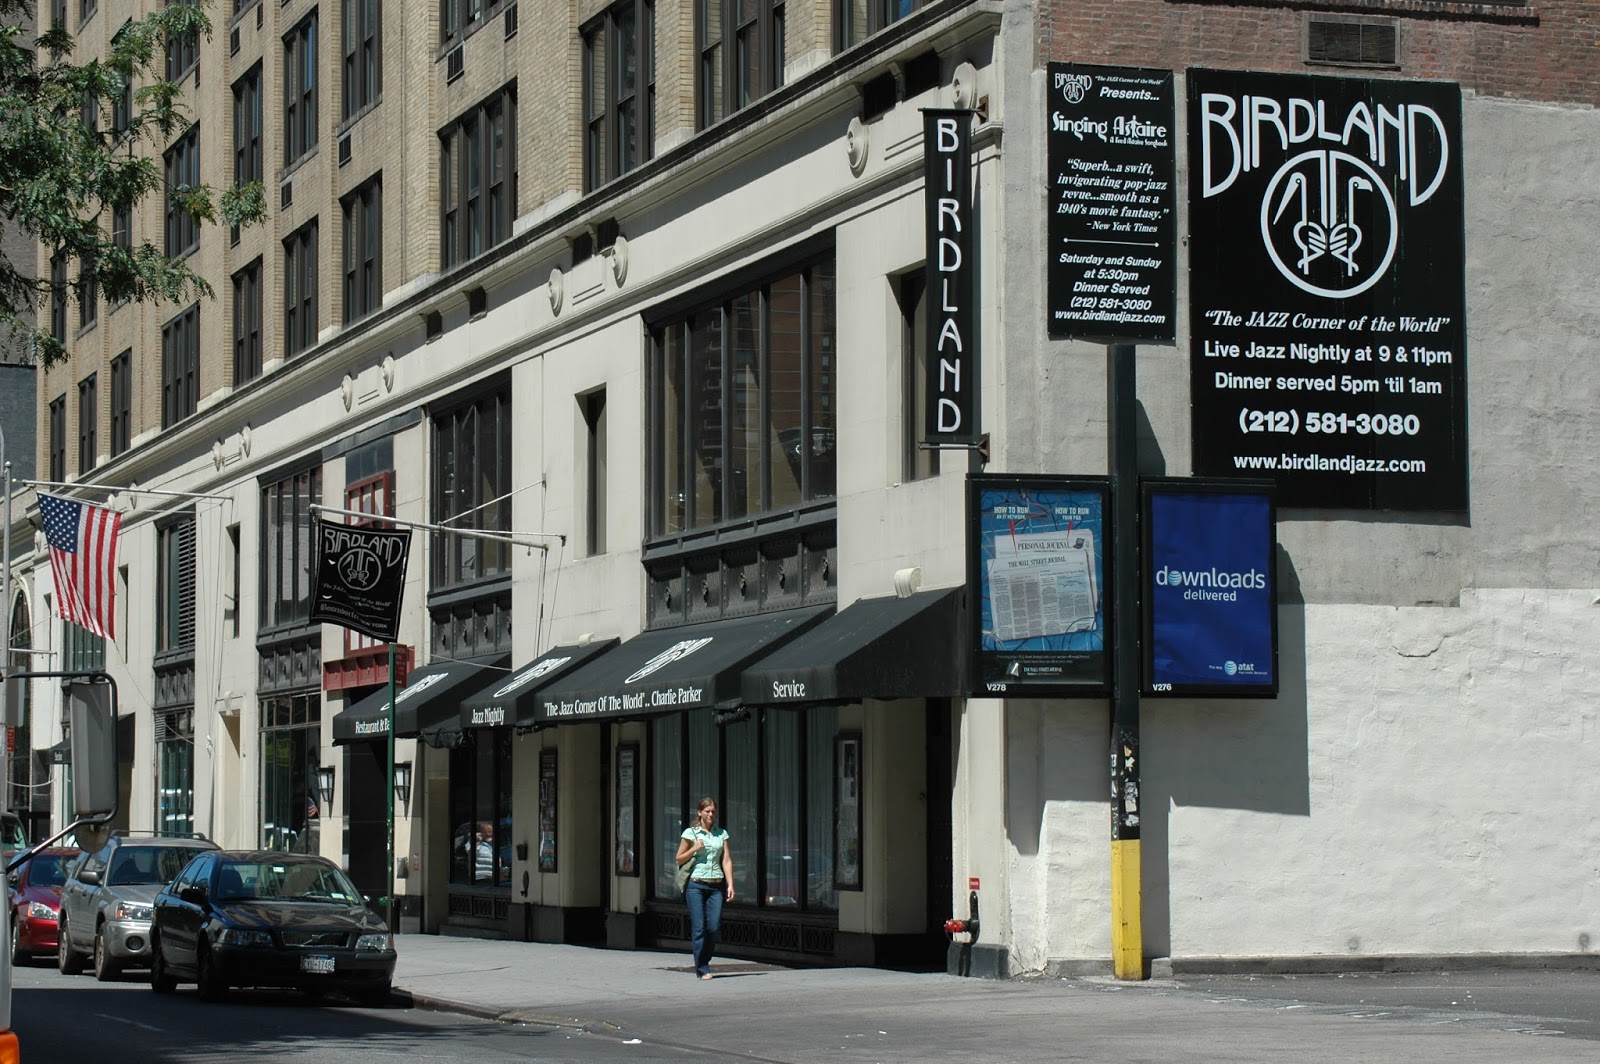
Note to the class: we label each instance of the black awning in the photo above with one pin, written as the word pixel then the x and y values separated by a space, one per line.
pixel 691 667
pixel 876 648
pixel 511 699
pixel 431 694
pixel 61 753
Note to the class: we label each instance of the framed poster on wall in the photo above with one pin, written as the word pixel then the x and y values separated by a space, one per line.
pixel 847 811
pixel 547 810
pixel 1037 563
pixel 627 857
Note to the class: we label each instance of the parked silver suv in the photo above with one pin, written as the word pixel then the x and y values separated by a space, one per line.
pixel 105 905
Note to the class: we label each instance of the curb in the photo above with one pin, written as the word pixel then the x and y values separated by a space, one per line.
pixel 406 998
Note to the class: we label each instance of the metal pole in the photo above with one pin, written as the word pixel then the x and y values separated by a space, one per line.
pixel 1127 930
pixel 5 671
pixel 389 804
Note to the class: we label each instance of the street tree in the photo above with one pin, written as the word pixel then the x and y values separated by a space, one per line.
pixel 80 149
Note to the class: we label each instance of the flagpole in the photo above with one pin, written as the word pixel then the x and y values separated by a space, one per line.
pixel 389 776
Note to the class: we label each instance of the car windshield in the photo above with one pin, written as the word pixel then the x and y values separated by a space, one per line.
pixel 147 865
pixel 48 870
pixel 11 834
pixel 284 881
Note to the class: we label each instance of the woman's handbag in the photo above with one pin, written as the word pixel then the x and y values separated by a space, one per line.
pixel 681 879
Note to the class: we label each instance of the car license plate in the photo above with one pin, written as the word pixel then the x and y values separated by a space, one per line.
pixel 318 965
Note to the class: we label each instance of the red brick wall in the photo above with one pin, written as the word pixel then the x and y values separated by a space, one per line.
pixel 1541 51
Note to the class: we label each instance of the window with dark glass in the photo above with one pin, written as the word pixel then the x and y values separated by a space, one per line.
pixel 363 250
pixel 58 439
pixel 88 294
pixel 917 462
pixel 183 173
pixel 741 54
pixel 471 482
pixel 91 112
pixel 300 289
pixel 480 809
pixel 773 776
pixel 183 52
pixel 619 91
pixel 81 649
pixel 174 729
pixel 300 89
pixel 88 422
pixel 363 59
pixel 286 548
pixel 291 736
pixel 247 130
pixel 58 296
pixel 180 366
pixel 594 419
pixel 122 109
pixel 175 586
pixel 856 20
pixel 121 402
pixel 58 14
pixel 459 19
pixel 743 404
pixel 478 178
pixel 247 323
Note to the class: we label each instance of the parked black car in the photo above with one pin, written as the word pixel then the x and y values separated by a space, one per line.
pixel 235 918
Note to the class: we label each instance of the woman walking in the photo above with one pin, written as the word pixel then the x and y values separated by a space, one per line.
pixel 704 847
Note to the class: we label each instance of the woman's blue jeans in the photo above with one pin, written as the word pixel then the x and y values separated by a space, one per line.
pixel 705 920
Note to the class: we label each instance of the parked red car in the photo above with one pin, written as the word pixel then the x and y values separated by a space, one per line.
pixel 36 903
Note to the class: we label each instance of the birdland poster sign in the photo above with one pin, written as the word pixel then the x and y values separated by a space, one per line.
pixel 1112 204
pixel 1328 288
pixel 951 410
pixel 360 578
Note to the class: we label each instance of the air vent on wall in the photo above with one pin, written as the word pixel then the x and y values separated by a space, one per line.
pixel 878 96
pixel 433 323
pixel 233 41
pixel 1351 42
pixel 477 302
pixel 344 149
pixel 454 65
pixel 285 194
pixel 511 21
pixel 922 73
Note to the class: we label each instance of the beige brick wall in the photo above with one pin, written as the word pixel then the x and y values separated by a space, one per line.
pixel 397 138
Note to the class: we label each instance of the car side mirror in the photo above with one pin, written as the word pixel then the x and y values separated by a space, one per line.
pixel 89 877
pixel 15 880
pixel 192 895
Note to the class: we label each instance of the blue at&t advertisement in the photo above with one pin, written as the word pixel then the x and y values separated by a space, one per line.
pixel 1210 618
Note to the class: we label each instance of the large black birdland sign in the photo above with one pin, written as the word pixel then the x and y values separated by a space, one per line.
pixel 360 577
pixel 1327 288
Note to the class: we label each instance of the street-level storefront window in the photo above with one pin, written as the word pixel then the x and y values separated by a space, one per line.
pixel 480 809
pixel 291 730
pixel 772 776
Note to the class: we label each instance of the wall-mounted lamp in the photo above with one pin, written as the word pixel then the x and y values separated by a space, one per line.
pixel 402 782
pixel 325 785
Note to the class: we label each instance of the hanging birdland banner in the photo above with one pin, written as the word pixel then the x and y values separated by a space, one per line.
pixel 359 578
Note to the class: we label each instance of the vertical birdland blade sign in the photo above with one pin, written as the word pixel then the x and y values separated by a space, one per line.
pixel 952 385
pixel 360 578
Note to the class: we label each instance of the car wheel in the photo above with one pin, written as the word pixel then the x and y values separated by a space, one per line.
pixel 161 980
pixel 106 967
pixel 211 986
pixel 67 960
pixel 19 959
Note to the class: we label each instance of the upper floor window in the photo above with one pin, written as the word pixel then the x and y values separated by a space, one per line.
pixel 363 59
pixel 88 294
pixel 300 89
pixel 247 128
pixel 88 422
pixel 458 19
pixel 363 250
pixel 300 289
pixel 287 556
pixel 58 296
pixel 478 178
pixel 183 52
pixel 175 586
pixel 741 54
pixel 743 403
pixel 619 91
pixel 183 173
pixel 58 14
pixel 180 366
pixel 247 323
pixel 856 20
pixel 58 439
pixel 471 484
pixel 121 402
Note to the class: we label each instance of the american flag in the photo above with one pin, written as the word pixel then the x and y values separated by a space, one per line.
pixel 83 559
